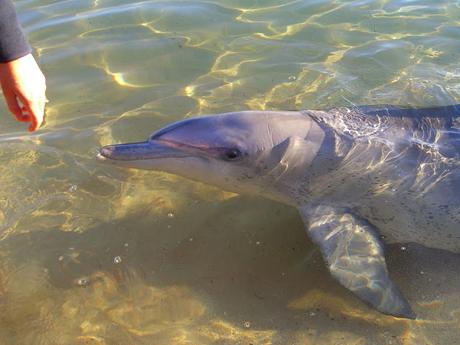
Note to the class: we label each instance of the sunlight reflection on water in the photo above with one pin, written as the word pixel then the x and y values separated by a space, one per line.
pixel 89 254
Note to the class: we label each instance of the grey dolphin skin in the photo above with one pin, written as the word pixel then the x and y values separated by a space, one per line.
pixel 358 176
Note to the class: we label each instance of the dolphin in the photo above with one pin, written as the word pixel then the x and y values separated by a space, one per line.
pixel 359 176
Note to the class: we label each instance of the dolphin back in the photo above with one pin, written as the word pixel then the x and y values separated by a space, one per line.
pixel 439 117
pixel 437 127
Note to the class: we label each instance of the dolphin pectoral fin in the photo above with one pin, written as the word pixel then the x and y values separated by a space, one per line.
pixel 354 254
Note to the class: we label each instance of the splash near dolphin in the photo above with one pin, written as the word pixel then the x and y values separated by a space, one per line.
pixel 358 176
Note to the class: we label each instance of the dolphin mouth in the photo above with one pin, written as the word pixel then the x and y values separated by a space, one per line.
pixel 140 151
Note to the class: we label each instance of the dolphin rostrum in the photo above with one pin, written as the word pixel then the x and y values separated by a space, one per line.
pixel 357 176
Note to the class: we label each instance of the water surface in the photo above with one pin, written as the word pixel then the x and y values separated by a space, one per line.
pixel 90 254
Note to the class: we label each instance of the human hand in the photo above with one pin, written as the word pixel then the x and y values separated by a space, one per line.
pixel 24 86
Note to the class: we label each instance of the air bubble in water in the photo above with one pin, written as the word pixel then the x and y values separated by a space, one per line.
pixel 83 282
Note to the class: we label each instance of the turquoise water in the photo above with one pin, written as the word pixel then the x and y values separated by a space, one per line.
pixel 90 254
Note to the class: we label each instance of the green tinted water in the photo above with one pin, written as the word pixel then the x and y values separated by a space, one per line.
pixel 90 254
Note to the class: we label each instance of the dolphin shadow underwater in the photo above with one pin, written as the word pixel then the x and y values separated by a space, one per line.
pixel 359 177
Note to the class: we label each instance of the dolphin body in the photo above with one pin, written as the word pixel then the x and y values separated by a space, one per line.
pixel 358 176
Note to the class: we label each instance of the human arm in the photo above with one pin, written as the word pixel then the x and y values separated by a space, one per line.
pixel 21 79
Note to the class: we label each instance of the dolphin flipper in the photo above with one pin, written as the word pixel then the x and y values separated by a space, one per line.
pixel 354 254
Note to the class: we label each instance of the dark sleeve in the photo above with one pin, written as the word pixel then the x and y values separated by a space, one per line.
pixel 13 43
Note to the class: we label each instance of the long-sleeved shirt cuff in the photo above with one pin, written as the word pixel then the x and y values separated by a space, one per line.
pixel 13 43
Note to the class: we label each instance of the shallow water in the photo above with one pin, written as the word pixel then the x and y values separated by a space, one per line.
pixel 90 254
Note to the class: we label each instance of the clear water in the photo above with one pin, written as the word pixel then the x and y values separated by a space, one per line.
pixel 90 254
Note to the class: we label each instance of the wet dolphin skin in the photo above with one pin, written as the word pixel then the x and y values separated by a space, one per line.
pixel 357 176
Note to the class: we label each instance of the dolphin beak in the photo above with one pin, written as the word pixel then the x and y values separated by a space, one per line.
pixel 139 151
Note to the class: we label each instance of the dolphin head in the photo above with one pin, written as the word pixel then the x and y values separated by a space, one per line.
pixel 243 152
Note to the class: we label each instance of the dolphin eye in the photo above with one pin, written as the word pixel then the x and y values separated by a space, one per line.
pixel 231 154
